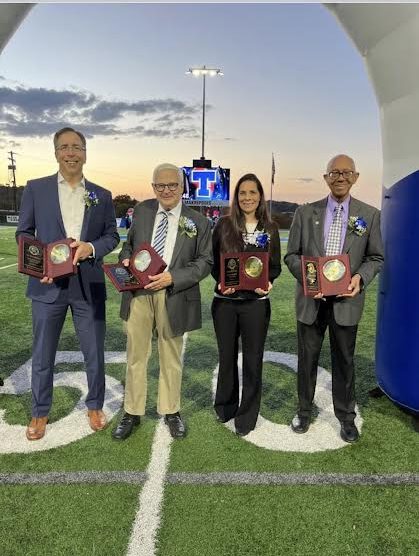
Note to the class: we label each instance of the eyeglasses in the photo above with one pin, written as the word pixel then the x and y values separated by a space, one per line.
pixel 75 148
pixel 160 187
pixel 335 174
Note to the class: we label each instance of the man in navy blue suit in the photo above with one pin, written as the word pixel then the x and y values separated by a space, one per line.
pixel 56 207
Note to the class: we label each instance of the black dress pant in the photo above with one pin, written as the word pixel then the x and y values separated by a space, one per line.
pixel 342 346
pixel 250 320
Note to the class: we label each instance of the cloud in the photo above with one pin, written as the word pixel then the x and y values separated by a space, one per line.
pixel 8 144
pixel 39 112
pixel 305 180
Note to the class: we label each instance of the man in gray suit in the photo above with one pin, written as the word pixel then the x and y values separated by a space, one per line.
pixel 353 227
pixel 170 304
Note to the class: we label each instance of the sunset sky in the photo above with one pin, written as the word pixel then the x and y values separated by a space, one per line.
pixel 293 85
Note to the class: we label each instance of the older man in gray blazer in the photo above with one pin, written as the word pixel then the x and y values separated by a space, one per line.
pixel 170 304
pixel 354 228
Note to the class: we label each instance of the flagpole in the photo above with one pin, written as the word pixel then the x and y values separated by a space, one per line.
pixel 272 183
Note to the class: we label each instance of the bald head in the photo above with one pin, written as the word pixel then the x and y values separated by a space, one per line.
pixel 341 160
pixel 340 176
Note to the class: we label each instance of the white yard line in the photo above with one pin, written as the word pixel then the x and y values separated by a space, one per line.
pixel 8 266
pixel 116 251
pixel 147 521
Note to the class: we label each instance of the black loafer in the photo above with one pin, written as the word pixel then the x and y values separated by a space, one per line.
pixel 175 424
pixel 348 431
pixel 126 426
pixel 300 424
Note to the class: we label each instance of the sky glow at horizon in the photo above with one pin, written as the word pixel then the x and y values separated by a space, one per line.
pixel 293 85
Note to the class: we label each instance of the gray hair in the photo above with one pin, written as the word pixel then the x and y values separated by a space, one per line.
pixel 168 166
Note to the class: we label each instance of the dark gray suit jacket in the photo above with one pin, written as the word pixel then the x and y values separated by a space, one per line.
pixel 366 257
pixel 191 262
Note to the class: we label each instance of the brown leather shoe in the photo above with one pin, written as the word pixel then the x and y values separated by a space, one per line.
pixel 97 419
pixel 36 428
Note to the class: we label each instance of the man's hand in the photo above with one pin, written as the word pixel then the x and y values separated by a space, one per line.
pixel 158 281
pixel 259 291
pixel 125 262
pixel 354 287
pixel 46 280
pixel 319 296
pixel 83 251
pixel 228 291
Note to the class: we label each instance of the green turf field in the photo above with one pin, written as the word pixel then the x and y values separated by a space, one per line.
pixel 220 495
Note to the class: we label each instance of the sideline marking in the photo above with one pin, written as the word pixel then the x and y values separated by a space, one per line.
pixel 324 432
pixel 147 520
pixel 8 266
pixel 73 426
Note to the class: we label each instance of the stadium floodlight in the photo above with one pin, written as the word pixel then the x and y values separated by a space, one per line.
pixel 203 71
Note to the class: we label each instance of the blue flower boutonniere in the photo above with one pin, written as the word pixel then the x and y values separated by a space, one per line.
pixel 187 226
pixel 90 199
pixel 262 239
pixel 357 225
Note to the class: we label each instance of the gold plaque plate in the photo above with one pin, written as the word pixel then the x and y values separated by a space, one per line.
pixel 334 270
pixel 253 267
pixel 60 253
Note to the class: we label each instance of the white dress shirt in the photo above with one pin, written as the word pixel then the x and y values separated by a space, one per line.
pixel 72 206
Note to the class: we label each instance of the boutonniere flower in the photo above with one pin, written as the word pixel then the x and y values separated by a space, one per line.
pixel 258 239
pixel 357 225
pixel 90 199
pixel 187 226
pixel 262 239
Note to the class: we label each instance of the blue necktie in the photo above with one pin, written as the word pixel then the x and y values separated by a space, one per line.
pixel 161 234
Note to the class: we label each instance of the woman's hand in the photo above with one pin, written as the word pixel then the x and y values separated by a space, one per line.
pixel 259 291
pixel 228 291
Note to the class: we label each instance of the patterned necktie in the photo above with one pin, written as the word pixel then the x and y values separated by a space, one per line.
pixel 335 233
pixel 161 233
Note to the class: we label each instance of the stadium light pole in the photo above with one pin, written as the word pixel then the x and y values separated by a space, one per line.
pixel 198 72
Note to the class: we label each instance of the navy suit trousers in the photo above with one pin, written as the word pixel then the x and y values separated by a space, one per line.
pixel 47 322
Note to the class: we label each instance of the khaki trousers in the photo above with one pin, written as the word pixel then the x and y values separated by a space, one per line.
pixel 148 313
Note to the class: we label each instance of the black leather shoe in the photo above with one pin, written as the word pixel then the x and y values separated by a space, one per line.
pixel 415 422
pixel 175 424
pixel 348 431
pixel 300 424
pixel 126 426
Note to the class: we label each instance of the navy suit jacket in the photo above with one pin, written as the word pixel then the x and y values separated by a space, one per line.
pixel 40 216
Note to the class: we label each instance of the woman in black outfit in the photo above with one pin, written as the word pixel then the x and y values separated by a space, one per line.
pixel 244 313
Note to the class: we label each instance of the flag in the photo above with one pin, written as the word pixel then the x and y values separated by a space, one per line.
pixel 273 169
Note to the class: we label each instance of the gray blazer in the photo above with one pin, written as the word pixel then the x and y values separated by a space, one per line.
pixel 191 262
pixel 366 257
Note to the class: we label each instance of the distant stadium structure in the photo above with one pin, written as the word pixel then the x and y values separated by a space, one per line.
pixel 387 37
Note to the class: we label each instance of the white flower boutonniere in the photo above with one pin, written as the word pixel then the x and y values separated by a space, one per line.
pixel 258 239
pixel 187 226
pixel 90 199
pixel 357 225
